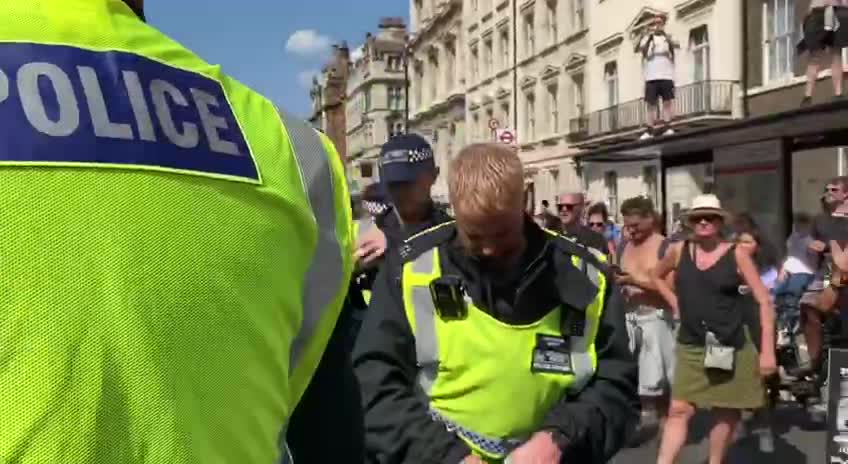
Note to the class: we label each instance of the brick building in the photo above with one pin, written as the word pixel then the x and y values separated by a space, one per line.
pixel 328 95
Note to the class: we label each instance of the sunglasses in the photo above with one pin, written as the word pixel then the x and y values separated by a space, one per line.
pixel 567 206
pixel 596 224
pixel 709 218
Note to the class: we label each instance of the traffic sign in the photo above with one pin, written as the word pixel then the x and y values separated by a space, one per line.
pixel 505 136
pixel 494 124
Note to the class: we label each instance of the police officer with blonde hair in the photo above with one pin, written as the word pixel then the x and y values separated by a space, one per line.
pixel 492 340
pixel 175 251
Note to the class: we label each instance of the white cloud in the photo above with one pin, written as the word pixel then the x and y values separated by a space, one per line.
pixel 357 53
pixel 308 42
pixel 304 78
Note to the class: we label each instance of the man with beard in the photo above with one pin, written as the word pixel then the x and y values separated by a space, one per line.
pixel 481 309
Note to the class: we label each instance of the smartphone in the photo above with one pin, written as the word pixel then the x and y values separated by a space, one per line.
pixel 448 293
pixel 617 270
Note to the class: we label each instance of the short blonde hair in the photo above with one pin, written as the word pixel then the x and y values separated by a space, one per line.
pixel 486 178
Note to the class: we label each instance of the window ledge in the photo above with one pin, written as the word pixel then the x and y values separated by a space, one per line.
pixel 791 82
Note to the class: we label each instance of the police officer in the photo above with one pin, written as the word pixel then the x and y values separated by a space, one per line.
pixel 493 338
pixel 175 252
pixel 408 172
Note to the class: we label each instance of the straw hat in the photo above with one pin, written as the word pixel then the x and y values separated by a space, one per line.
pixel 706 205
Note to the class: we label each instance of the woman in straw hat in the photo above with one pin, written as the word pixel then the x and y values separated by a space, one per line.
pixel 718 364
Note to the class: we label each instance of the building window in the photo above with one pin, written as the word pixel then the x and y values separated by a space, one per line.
pixel 553 100
pixel 434 80
pixel 699 45
pixel 395 98
pixel 490 114
pixel 611 80
pixel 611 187
pixel 487 58
pixel 394 63
pixel 649 176
pixel 779 43
pixel 475 5
pixel 475 126
pixel 419 85
pixel 367 99
pixel 530 99
pixel 551 10
pixel 505 114
pixel 529 35
pixel 366 170
pixel 395 128
pixel 577 92
pixel 578 15
pixel 475 63
pixel 450 52
pixel 504 46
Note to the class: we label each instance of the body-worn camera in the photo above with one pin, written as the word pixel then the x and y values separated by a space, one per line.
pixel 448 294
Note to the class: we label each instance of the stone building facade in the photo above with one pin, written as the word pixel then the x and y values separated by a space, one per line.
pixel 375 98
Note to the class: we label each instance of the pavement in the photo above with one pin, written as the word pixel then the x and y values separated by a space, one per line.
pixel 796 440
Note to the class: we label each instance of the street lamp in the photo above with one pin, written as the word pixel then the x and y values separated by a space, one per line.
pixel 406 84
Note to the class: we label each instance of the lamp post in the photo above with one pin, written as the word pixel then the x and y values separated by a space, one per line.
pixel 406 85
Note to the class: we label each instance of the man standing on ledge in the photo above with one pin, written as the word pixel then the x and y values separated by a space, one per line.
pixel 481 309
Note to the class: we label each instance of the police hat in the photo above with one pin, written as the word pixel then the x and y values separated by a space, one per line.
pixel 404 157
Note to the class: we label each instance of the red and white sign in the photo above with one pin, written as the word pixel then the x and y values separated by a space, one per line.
pixel 505 136
pixel 494 124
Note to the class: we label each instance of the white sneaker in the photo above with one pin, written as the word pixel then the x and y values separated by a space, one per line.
pixel 669 131
pixel 646 136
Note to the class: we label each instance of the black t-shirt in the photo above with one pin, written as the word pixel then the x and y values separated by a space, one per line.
pixel 587 237
pixel 827 228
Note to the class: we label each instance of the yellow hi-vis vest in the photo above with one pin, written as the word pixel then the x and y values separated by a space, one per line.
pixel 476 371
pixel 175 254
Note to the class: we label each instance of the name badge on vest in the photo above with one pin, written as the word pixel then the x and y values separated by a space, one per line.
pixel 551 355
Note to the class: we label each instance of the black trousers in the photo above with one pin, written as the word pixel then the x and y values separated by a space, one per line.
pixel 328 424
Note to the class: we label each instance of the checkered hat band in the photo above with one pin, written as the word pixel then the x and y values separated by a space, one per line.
pixel 406 156
pixel 375 208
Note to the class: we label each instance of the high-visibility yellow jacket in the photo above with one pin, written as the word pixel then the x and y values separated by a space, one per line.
pixel 174 252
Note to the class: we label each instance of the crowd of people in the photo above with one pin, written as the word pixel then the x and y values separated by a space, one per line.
pixel 701 309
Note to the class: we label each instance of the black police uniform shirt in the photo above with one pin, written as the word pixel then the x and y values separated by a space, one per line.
pixel 586 237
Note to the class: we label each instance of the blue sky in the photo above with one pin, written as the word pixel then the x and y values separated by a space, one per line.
pixel 251 38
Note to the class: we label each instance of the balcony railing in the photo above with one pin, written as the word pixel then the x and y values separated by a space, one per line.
pixel 706 98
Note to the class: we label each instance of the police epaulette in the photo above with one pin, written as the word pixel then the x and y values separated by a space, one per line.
pixel 572 247
pixel 427 239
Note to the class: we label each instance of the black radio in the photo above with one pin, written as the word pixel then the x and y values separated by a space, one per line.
pixel 448 293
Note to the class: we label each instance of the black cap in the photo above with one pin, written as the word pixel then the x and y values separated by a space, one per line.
pixel 404 157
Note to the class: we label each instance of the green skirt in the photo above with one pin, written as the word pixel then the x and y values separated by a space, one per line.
pixel 741 389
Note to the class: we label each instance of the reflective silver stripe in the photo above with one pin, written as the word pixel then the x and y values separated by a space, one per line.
pixel 424 263
pixel 326 268
pixel 594 274
pixel 581 360
pixel 426 343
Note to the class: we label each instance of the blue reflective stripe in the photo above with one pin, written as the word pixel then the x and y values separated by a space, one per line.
pixel 66 105
pixel 494 446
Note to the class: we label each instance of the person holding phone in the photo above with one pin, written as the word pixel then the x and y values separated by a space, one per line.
pixel 475 311
pixel 649 315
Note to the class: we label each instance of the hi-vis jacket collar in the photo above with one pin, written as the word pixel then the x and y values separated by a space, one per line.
pixel 138 10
